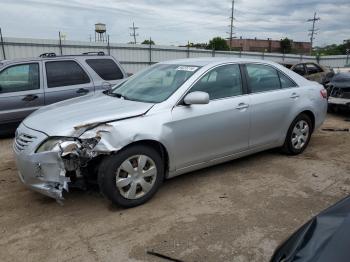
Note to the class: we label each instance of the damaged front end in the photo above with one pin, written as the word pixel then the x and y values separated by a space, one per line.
pixel 339 92
pixel 62 161
pixel 58 162
pixel 339 95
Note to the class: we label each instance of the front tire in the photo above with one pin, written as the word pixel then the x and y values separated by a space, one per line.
pixel 132 176
pixel 298 135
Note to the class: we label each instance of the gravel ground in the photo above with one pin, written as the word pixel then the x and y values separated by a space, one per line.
pixel 238 211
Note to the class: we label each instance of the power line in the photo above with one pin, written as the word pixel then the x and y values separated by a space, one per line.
pixel 133 33
pixel 313 31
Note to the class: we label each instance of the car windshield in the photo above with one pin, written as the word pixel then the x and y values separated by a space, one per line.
pixel 155 84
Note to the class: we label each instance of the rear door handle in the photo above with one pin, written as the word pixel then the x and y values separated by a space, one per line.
pixel 30 97
pixel 294 95
pixel 242 106
pixel 82 91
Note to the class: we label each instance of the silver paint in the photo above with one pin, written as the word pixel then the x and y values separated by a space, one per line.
pixel 193 136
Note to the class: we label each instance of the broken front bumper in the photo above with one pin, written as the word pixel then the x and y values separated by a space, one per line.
pixel 43 172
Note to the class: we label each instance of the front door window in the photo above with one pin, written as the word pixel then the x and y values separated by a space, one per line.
pixel 19 78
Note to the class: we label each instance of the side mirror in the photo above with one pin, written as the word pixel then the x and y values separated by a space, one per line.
pixel 106 86
pixel 196 98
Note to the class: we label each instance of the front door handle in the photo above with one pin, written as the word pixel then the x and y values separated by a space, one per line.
pixel 30 98
pixel 294 95
pixel 242 106
pixel 82 91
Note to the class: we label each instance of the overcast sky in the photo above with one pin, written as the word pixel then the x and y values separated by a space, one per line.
pixel 175 22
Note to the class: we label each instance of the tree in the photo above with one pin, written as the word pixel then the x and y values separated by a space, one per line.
pixel 198 45
pixel 218 43
pixel 148 42
pixel 333 49
pixel 286 45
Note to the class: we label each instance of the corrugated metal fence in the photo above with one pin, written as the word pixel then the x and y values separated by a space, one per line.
pixel 136 57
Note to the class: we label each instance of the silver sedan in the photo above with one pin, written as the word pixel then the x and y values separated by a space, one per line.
pixel 170 119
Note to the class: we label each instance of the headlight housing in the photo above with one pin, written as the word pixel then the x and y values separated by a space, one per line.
pixel 52 142
pixel 55 143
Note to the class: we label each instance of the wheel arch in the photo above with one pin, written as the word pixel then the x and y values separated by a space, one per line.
pixel 158 146
pixel 311 115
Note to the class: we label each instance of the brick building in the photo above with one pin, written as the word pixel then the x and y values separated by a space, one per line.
pixel 267 45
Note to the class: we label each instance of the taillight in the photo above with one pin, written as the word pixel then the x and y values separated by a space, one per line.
pixel 323 93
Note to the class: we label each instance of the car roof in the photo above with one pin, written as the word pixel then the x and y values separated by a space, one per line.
pixel 45 58
pixel 204 61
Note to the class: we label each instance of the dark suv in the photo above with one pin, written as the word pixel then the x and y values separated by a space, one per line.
pixel 27 84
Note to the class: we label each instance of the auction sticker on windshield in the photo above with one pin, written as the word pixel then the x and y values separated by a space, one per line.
pixel 187 68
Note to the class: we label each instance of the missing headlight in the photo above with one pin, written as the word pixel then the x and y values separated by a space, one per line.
pixel 90 143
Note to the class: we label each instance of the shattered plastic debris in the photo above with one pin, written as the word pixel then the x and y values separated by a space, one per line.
pixel 336 129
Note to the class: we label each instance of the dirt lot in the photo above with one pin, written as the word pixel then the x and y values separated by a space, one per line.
pixel 238 211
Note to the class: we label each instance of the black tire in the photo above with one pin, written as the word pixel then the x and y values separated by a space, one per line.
pixel 109 166
pixel 333 109
pixel 288 147
pixel 330 109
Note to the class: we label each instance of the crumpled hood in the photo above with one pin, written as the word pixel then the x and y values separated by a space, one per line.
pixel 59 119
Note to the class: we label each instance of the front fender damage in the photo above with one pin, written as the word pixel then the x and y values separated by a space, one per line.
pixel 69 157
pixel 51 172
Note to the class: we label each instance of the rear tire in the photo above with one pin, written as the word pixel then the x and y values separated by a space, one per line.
pixel 132 176
pixel 298 135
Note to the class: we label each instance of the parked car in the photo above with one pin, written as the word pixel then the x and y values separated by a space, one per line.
pixel 324 238
pixel 313 72
pixel 339 92
pixel 172 118
pixel 28 84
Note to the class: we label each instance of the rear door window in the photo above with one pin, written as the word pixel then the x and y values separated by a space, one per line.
pixel 107 69
pixel 313 69
pixel 262 78
pixel 65 73
pixel 299 69
pixel 19 78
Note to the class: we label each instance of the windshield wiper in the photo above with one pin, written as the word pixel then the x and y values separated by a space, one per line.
pixel 117 95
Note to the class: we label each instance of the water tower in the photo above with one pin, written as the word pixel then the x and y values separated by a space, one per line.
pixel 100 32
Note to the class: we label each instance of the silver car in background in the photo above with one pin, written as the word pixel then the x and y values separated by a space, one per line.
pixel 170 119
pixel 30 83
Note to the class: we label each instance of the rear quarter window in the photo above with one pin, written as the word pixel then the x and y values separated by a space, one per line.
pixel 286 82
pixel 107 69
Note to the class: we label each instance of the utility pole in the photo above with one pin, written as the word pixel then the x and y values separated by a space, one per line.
pixel 60 41
pixel 313 31
pixel 231 25
pixel 133 33
pixel 2 44
pixel 150 51
pixel 108 46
